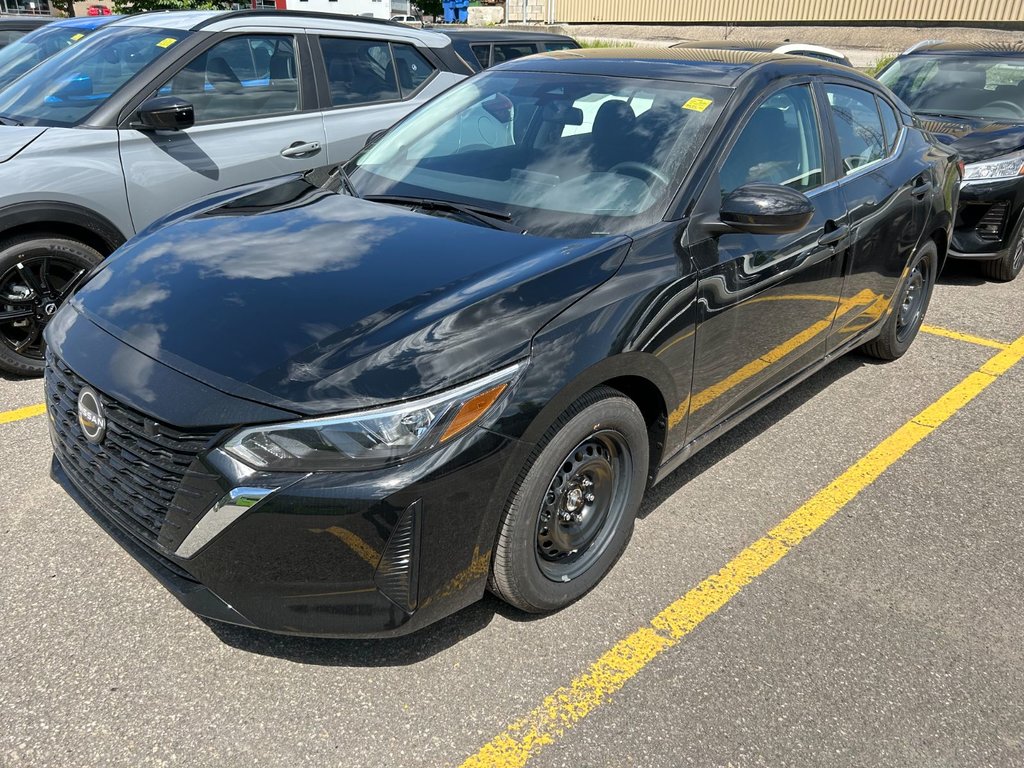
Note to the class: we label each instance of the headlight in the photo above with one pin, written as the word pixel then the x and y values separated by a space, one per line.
pixel 371 438
pixel 1004 167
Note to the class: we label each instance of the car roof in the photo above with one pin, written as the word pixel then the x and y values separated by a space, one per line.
pixel 488 35
pixel 981 49
pixel 85 22
pixel 216 21
pixel 25 21
pixel 720 67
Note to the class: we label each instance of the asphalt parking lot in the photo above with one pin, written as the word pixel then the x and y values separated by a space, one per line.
pixel 756 619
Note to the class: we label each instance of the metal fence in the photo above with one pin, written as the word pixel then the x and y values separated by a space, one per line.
pixel 781 11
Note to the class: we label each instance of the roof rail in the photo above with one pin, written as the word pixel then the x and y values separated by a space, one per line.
pixel 247 12
pixel 921 44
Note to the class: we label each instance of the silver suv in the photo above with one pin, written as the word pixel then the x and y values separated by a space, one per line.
pixel 156 110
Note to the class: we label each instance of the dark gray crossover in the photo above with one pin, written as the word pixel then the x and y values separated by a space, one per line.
pixel 349 401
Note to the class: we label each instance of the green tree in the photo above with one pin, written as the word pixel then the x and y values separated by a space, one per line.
pixel 138 6
pixel 430 7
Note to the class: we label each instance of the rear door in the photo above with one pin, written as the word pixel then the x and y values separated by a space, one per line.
pixel 886 191
pixel 369 84
pixel 256 117
pixel 766 302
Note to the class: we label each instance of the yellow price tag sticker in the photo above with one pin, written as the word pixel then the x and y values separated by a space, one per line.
pixel 78 36
pixel 697 104
pixel 167 42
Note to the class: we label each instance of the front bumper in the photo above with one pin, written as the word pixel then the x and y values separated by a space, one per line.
pixel 318 555
pixel 988 219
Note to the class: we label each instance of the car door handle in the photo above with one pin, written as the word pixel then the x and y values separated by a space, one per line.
pixel 301 149
pixel 921 188
pixel 835 237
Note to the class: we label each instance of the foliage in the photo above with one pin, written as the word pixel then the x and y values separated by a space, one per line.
pixel 139 6
pixel 879 65
pixel 430 7
pixel 593 43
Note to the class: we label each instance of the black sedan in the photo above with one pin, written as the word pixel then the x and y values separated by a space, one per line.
pixel 973 96
pixel 346 403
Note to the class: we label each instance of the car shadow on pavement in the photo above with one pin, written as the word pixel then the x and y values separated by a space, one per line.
pixel 419 646
pixel 961 272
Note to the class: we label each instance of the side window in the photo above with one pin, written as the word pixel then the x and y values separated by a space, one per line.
pixel 359 71
pixel 858 126
pixel 780 144
pixel 412 68
pixel 246 76
pixel 559 46
pixel 891 123
pixel 483 54
pixel 510 51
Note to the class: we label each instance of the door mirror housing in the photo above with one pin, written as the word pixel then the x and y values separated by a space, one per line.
pixel 165 113
pixel 766 209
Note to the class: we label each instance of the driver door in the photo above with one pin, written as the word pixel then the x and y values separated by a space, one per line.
pixel 766 302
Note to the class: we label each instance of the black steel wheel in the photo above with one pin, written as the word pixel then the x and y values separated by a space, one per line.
pixel 909 306
pixel 572 509
pixel 36 275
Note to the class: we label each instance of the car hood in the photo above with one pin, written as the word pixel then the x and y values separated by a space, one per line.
pixel 976 139
pixel 14 138
pixel 318 302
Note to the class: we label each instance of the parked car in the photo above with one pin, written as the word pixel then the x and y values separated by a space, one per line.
pixel 346 414
pixel 14 27
pixel 973 95
pixel 412 21
pixel 155 110
pixel 819 52
pixel 27 52
pixel 98 10
pixel 484 47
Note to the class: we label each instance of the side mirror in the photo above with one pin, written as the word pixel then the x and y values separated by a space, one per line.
pixel 766 209
pixel 165 113
pixel 374 137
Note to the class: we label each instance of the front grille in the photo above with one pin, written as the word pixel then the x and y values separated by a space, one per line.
pixel 134 474
pixel 990 226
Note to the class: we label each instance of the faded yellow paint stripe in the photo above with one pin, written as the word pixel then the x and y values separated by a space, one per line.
pixel 567 706
pixel 354 542
pixel 970 338
pixel 6 417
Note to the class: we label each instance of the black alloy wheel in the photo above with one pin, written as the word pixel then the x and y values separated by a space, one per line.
pixel 36 275
pixel 571 512
pixel 909 306
pixel 1009 266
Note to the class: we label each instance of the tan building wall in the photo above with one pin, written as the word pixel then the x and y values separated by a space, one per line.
pixel 782 11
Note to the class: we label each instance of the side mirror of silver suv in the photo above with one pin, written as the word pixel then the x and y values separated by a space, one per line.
pixel 165 113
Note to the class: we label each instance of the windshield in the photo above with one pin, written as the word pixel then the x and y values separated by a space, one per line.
pixel 566 155
pixel 20 56
pixel 69 86
pixel 987 87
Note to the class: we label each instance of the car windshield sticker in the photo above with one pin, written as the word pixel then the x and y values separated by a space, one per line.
pixel 167 42
pixel 77 36
pixel 697 104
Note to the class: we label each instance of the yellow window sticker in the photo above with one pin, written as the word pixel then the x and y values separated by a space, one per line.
pixel 78 36
pixel 697 104
pixel 167 42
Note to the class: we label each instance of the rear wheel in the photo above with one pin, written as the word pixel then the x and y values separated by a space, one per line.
pixel 37 273
pixel 572 510
pixel 909 307
pixel 1009 266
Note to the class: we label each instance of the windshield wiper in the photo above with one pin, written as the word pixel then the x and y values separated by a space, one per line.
pixel 9 121
pixel 494 219
pixel 346 180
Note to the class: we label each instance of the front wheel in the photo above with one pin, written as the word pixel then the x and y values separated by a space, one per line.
pixel 572 509
pixel 36 274
pixel 1009 266
pixel 909 306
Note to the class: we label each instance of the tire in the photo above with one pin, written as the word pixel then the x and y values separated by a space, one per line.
pixel 37 273
pixel 572 508
pixel 910 306
pixel 1007 268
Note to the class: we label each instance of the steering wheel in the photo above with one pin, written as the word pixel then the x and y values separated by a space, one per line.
pixel 1015 110
pixel 647 170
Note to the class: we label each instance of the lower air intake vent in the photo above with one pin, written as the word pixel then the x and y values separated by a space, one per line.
pixel 990 227
pixel 396 572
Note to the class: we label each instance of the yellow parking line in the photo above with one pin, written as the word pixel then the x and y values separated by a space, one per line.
pixel 22 413
pixel 567 706
pixel 968 337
